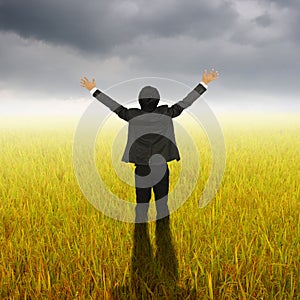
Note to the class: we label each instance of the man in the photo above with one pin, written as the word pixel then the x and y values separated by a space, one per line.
pixel 151 140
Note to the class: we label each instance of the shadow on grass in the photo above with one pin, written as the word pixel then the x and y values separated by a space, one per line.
pixel 153 277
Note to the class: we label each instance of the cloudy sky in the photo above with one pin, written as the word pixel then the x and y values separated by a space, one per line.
pixel 46 46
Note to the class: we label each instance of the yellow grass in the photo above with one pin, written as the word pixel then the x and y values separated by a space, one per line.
pixel 243 245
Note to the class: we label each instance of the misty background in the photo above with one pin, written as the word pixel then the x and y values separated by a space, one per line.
pixel 47 46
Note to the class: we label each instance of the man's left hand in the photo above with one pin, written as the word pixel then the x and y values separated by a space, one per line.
pixel 88 84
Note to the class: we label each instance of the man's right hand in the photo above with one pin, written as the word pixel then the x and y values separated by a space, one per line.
pixel 208 77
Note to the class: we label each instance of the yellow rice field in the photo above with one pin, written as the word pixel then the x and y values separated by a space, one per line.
pixel 243 245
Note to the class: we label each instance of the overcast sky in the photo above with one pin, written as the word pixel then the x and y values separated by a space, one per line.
pixel 46 46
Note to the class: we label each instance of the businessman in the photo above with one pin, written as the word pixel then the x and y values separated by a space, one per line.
pixel 151 140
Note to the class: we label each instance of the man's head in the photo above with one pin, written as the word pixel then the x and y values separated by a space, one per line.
pixel 149 98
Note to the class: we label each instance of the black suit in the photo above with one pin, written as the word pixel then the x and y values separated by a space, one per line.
pixel 150 132
pixel 151 142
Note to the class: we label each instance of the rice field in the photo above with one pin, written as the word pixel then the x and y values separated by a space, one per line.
pixel 54 244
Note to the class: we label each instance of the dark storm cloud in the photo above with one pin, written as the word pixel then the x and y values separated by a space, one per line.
pixel 291 8
pixel 284 3
pixel 98 26
pixel 53 43
pixel 263 20
pixel 59 22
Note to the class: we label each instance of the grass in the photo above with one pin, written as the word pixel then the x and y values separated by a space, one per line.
pixel 243 245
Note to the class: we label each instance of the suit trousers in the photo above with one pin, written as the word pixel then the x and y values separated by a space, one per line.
pixel 146 178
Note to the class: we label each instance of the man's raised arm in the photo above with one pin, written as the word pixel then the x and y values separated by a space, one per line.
pixel 176 109
pixel 116 107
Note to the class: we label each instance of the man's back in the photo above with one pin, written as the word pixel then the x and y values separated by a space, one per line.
pixel 150 129
pixel 150 133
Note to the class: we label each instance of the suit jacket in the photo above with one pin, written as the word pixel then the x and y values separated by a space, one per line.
pixel 150 133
